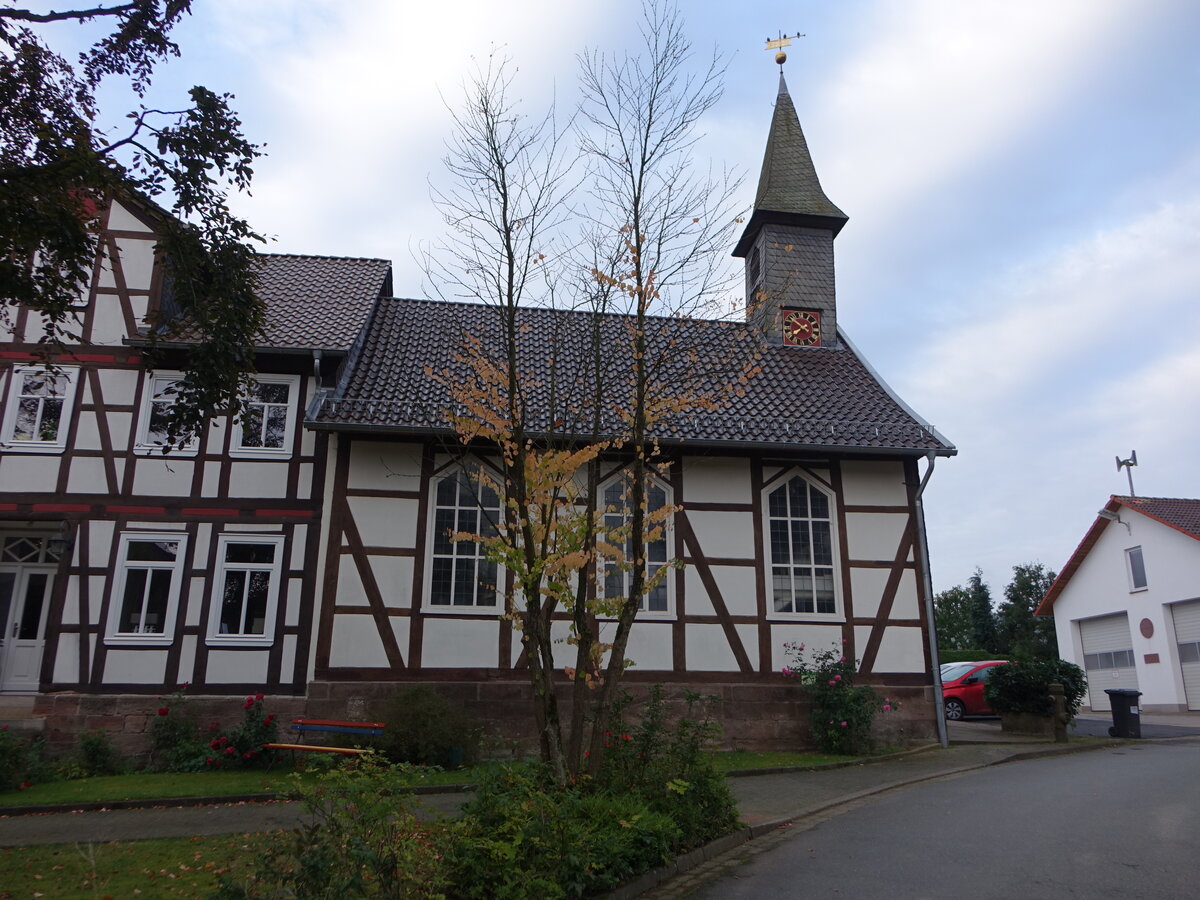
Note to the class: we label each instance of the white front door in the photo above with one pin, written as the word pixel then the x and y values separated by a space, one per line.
pixel 26 577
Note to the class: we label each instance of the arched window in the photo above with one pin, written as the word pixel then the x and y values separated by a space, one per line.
pixel 617 580
pixel 801 548
pixel 461 576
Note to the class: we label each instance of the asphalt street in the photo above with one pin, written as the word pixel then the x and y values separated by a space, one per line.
pixel 1120 822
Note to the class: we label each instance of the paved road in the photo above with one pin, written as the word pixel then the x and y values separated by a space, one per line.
pixel 1115 823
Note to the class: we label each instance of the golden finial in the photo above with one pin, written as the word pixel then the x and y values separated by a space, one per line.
pixel 784 40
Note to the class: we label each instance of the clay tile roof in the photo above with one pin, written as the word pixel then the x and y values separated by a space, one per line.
pixel 314 302
pixel 1181 514
pixel 319 302
pixel 821 397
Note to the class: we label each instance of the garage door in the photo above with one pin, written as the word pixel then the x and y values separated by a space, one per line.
pixel 1107 657
pixel 1187 634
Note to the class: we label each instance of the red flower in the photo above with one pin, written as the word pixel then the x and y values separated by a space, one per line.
pixel 224 740
pixel 163 710
pixel 258 696
pixel 184 686
pixel 270 718
pixel 215 744
pixel 26 784
pixel 249 703
pixel 209 761
pixel 626 737
pixel 229 751
pixel 245 756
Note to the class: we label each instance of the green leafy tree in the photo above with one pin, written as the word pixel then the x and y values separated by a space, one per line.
pixel 983 614
pixel 952 609
pixel 63 156
pixel 1021 633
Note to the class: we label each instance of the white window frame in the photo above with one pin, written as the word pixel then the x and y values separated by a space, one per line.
pixel 768 562
pixel 668 538
pixel 145 445
pixel 122 566
pixel 223 567
pixel 472 609
pixel 1134 587
pixel 284 452
pixel 16 382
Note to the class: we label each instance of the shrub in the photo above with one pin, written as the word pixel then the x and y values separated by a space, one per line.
pixel 424 728
pixel 665 764
pixel 242 747
pixel 364 841
pixel 175 736
pixel 522 838
pixel 842 713
pixel 97 755
pixel 1021 686
pixel 22 760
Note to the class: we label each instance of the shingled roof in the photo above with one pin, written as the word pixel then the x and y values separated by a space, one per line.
pixel 827 398
pixel 314 302
pixel 1181 514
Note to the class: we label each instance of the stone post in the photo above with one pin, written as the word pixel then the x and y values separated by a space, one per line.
pixel 1059 695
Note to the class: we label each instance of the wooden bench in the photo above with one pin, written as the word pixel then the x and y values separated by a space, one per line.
pixel 303 727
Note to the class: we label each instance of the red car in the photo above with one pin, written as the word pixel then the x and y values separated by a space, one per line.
pixel 962 687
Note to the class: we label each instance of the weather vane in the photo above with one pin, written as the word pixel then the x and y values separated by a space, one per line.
pixel 784 40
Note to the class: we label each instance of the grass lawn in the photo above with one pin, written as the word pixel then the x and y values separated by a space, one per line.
pixel 152 786
pixel 165 867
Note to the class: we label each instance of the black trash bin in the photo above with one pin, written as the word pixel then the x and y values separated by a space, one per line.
pixel 1127 722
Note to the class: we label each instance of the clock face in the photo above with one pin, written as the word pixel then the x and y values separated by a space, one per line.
pixel 801 328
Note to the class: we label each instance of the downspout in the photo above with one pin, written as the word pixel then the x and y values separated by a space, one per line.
pixel 923 555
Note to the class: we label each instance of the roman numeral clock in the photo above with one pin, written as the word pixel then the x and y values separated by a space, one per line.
pixel 802 327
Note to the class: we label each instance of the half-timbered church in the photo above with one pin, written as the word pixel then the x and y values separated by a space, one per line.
pixel 304 550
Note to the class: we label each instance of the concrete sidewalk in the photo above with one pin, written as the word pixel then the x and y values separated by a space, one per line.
pixel 765 800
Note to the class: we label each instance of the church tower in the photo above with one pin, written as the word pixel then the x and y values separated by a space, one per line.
pixel 788 242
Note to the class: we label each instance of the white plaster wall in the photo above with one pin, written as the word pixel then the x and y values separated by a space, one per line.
pixel 212 477
pixel 287 658
pixel 811 635
pixel 349 585
pixel 394 576
pixel 384 466
pixel 108 322
pixel 715 480
pixel 137 262
pixel 867 586
pixel 737 586
pixel 385 521
pixel 135 666
pixel 237 666
pixel 905 606
pixel 187 658
pixel 70 612
pixel 163 478
pixel 650 646
pixel 29 473
pixel 196 597
pixel 87 476
pixel 87 433
pixel 708 649
pixel 450 642
pixel 120 219
pixel 866 483
pixel 66 663
pixel 1100 586
pixel 258 479
pixel 901 650
pixel 875 536
pixel 729 534
pixel 356 642
pixel 290 597
pixel 118 385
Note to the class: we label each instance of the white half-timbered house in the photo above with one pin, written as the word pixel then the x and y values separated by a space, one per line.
pixel 798 500
pixel 306 553
pixel 127 571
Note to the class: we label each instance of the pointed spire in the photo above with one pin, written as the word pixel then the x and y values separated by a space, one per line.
pixel 789 191
pixel 788 182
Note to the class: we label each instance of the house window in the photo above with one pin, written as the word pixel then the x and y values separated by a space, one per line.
pixel 462 578
pixel 617 578
pixel 267 421
pixel 39 408
pixel 801 547
pixel 162 389
pixel 246 589
pixel 146 591
pixel 1137 569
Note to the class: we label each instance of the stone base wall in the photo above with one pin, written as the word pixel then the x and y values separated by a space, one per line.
pixel 127 717
pixel 763 717
pixel 755 716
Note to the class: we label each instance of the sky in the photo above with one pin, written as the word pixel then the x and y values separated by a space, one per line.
pixel 1022 177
